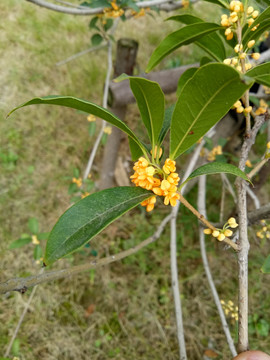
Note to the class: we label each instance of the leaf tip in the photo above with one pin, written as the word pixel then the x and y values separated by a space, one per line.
pixel 121 78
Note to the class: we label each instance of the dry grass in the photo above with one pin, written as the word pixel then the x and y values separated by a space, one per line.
pixel 124 311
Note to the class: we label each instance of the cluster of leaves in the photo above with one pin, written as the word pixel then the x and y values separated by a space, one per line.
pixel 205 95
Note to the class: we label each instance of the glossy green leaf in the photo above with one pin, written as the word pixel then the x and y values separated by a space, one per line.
pixel 217 168
pixel 166 123
pixel 211 43
pixel 205 60
pixel 255 35
pixel 184 36
pixel 264 20
pixel 261 74
pixel 88 217
pixel 204 100
pixel 222 3
pixel 20 242
pixel 266 266
pixel 187 75
pixel 151 103
pixel 83 105
pixel 33 225
pixel 43 236
pixel 135 150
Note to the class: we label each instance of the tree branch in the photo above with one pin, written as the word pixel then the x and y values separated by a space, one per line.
pixel 22 284
pixel 167 4
pixel 202 210
pixel 243 239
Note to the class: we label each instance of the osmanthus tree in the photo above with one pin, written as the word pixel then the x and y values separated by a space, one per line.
pixel 205 94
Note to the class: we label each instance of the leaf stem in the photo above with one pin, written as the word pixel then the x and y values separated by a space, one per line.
pixel 205 221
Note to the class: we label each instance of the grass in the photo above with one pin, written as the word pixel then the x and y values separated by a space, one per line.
pixel 124 311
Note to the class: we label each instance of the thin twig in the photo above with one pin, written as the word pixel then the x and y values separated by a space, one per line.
pixel 202 209
pixel 253 196
pixel 229 186
pixel 26 307
pixel 259 214
pixel 105 105
pixel 243 239
pixel 176 289
pixel 70 4
pixel 222 203
pixel 22 284
pixel 173 252
pixel 81 53
pixel 258 167
pixel 99 10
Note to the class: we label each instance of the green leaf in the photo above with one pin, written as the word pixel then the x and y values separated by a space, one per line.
pixel 135 150
pixel 204 100
pixel 96 39
pixel 90 216
pixel 184 36
pixel 187 75
pixel 255 35
pixel 266 266
pixel 83 105
pixel 33 225
pixel 166 123
pixel 262 327
pixel 20 242
pixel 37 252
pixel 217 168
pixel 211 43
pixel 222 3
pixel 151 102
pixel 108 25
pixel 205 60
pixel 264 20
pixel 261 74
pixel 93 23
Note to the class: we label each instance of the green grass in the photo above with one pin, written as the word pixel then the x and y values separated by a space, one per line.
pixel 133 316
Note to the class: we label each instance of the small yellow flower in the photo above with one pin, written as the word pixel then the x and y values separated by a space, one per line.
pixel 242 56
pixel 237 104
pixel 238 47
pixel 85 194
pixel 227 61
pixel 207 231
pixel 232 222
pixel 268 145
pixel 230 36
pixel 35 240
pixel 91 118
pixel 149 203
pixel 215 233
pixel 155 152
pixel 250 44
pixel 250 10
pixel 248 109
pixel 169 166
pixel 107 130
pixel 240 109
pixel 256 56
pixel 248 67
pixel 221 237
pixel 250 22
pixel 228 233
pixel 248 164
pixel 255 14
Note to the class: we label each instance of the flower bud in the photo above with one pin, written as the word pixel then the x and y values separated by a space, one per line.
pixel 221 237
pixel 228 233
pixel 255 56
pixel 207 231
pixel 215 233
pixel 250 44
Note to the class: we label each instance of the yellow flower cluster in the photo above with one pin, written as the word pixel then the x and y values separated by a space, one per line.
pixel 221 234
pixel 78 181
pixel 83 195
pixel 251 16
pixel 230 309
pixel 138 14
pixel 262 109
pixel 265 230
pixel 217 150
pixel 239 108
pixel 163 182
pixel 114 11
pixel 231 23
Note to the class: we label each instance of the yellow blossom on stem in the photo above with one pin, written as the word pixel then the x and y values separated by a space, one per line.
pixel 207 231
pixel 256 56
pixel 215 233
pixel 35 240
pixel 250 44
pixel 91 118
pixel 149 203
pixel 232 222
pixel 169 166
pixel 107 130
pixel 228 233
pixel 268 145
pixel 248 164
